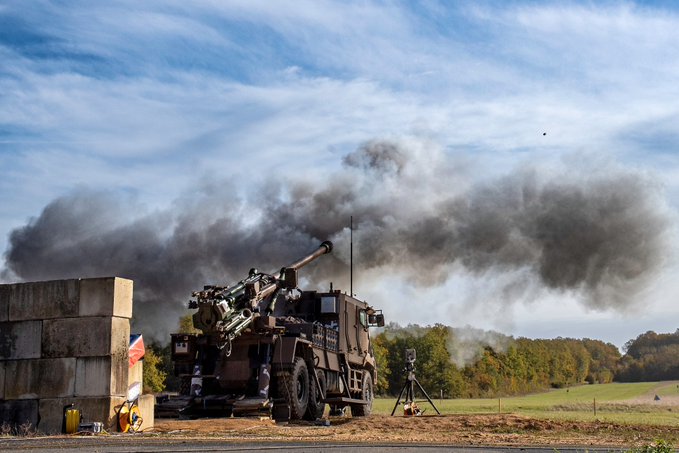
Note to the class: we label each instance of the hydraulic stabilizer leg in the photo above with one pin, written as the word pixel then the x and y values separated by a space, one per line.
pixel 264 373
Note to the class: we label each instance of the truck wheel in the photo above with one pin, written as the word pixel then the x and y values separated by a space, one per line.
pixel 293 385
pixel 363 410
pixel 316 408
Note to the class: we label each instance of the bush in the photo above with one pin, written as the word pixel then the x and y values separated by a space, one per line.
pixel 660 446
pixel 24 430
pixel 154 376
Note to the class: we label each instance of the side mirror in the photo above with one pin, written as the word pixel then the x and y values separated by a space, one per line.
pixel 376 320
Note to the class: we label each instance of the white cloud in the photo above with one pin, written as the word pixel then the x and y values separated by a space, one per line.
pixel 166 94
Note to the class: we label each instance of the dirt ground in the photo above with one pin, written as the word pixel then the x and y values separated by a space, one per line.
pixel 504 430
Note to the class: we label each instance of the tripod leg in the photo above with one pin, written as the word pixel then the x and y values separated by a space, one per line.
pixel 410 395
pixel 398 400
pixel 427 396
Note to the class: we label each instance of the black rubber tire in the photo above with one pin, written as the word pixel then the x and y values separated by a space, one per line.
pixel 294 386
pixel 363 410
pixel 315 408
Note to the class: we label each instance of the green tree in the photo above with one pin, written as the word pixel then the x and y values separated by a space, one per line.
pixel 154 376
pixel 186 325
pixel 650 357
pixel 381 350
pixel 434 368
pixel 604 361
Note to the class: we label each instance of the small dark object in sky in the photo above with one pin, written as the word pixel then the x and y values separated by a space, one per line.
pixel 544 133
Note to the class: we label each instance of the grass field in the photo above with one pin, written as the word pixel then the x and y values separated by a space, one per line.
pixel 620 403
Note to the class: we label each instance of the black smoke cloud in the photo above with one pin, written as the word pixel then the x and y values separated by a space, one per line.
pixel 418 213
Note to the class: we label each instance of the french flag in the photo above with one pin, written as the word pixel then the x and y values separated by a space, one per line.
pixel 136 348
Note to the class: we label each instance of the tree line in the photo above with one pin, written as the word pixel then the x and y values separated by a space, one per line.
pixel 470 363
pixel 650 357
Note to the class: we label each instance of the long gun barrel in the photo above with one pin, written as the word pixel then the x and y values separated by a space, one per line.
pixel 226 311
pixel 289 273
pixel 325 247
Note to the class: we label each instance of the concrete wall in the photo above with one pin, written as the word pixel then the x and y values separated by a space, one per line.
pixel 66 342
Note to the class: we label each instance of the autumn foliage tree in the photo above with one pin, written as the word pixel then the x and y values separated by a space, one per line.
pixel 650 357
pixel 505 366
pixel 456 364
pixel 154 374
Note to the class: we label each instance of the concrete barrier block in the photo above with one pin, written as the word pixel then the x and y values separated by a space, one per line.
pixel 94 409
pixel 20 413
pixel 2 381
pixel 136 373
pixel 110 296
pixel 43 300
pixel 39 378
pixel 101 376
pixel 147 405
pixel 86 337
pixel 20 340
pixel 5 291
pixel 120 338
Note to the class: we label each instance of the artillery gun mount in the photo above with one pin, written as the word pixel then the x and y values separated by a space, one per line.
pixel 268 347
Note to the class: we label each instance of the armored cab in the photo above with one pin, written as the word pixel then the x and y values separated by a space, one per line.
pixel 266 346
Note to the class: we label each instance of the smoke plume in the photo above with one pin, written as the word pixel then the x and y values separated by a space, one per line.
pixel 418 213
pixel 466 344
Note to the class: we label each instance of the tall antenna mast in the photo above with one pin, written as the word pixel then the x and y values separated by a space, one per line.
pixel 351 256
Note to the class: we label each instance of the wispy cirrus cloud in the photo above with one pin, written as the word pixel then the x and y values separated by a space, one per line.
pixel 150 98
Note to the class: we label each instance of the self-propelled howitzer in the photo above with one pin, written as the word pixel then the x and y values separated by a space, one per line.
pixel 225 311
pixel 267 346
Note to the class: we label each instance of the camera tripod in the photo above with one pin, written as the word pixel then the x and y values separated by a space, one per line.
pixel 409 389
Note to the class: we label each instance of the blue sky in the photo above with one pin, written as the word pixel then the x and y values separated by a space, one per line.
pixel 149 99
